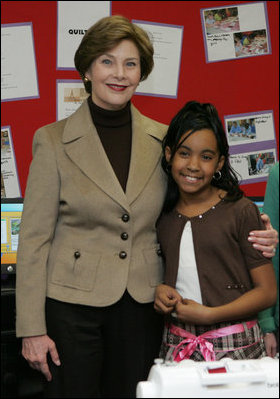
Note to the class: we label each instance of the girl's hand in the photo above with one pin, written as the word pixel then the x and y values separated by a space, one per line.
pixel 166 298
pixel 265 240
pixel 193 312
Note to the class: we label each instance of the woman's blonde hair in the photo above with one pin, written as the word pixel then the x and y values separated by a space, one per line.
pixel 106 34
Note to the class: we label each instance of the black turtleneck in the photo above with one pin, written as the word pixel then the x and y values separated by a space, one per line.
pixel 114 130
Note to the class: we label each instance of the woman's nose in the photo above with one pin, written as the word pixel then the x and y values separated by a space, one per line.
pixel 119 72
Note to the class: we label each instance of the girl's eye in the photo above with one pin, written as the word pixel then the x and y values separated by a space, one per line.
pixel 206 157
pixel 184 154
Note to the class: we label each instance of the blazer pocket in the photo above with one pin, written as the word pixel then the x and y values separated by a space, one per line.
pixel 75 269
pixel 153 260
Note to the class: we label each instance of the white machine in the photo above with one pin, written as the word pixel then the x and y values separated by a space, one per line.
pixel 225 378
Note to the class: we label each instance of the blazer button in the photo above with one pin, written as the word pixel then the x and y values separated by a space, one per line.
pixel 125 217
pixel 77 254
pixel 122 254
pixel 124 236
pixel 159 252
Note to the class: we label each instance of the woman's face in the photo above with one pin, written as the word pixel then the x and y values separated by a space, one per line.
pixel 115 76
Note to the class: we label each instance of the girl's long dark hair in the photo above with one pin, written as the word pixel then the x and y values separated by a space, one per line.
pixel 193 117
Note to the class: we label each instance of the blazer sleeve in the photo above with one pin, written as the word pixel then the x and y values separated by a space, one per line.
pixel 40 212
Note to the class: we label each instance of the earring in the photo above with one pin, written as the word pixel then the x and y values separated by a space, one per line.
pixel 168 168
pixel 86 79
pixel 217 175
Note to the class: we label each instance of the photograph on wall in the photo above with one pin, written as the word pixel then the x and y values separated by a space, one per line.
pixel 235 31
pixel 73 20
pixel 241 130
pixel 254 166
pixel 221 20
pixel 18 63
pixel 250 128
pixel 9 177
pixel 167 42
pixel 250 43
pixel 70 95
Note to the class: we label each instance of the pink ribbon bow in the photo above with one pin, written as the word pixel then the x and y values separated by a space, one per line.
pixel 205 347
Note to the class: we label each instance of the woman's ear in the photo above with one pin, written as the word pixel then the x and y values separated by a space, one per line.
pixel 167 153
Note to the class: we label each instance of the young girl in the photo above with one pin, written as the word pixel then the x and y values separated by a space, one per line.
pixel 215 281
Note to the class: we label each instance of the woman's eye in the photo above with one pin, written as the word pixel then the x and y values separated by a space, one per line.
pixel 106 61
pixel 131 64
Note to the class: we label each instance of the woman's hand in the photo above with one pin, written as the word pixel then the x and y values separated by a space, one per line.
pixel 166 298
pixel 193 312
pixel 35 349
pixel 265 240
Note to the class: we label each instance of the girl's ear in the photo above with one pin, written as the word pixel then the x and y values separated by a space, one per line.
pixel 220 163
pixel 167 154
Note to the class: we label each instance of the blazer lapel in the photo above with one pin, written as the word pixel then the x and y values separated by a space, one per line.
pixel 84 148
pixel 145 153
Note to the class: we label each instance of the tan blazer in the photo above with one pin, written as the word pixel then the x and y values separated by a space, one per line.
pixel 72 247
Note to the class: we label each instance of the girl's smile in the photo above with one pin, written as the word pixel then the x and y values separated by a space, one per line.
pixel 190 179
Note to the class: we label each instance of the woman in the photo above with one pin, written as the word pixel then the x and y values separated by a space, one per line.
pixel 269 318
pixel 88 260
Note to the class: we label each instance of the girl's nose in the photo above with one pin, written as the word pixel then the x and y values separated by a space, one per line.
pixel 193 163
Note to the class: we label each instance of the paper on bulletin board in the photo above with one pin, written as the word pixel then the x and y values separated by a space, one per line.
pixel 10 187
pixel 70 95
pixel 235 31
pixel 254 129
pixel 18 63
pixel 253 166
pixel 164 78
pixel 74 18
pixel 252 144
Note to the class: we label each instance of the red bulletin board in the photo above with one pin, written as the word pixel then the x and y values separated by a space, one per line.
pixel 234 86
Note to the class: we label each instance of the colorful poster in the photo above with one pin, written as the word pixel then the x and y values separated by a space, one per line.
pixel 252 144
pixel 254 166
pixel 10 187
pixel 236 31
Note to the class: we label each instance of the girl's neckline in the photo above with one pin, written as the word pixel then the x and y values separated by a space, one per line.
pixel 200 215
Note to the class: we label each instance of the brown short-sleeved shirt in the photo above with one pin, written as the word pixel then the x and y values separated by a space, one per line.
pixel 224 256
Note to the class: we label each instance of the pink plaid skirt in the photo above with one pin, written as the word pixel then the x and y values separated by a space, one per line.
pixel 247 344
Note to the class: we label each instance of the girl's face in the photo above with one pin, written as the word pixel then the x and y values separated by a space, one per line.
pixel 195 162
pixel 115 76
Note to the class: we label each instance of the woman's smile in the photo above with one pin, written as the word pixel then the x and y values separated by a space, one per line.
pixel 116 87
